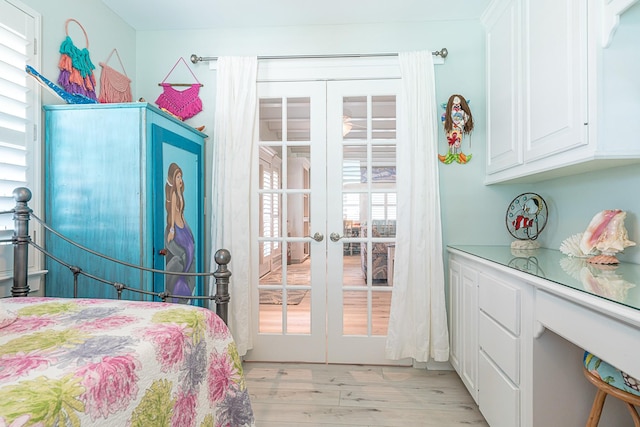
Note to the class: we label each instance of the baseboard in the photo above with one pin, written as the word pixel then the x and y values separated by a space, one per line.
pixel 432 365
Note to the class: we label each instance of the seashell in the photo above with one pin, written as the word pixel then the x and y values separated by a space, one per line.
pixel 606 233
pixel 572 266
pixel 571 246
pixel 605 283
pixel 604 259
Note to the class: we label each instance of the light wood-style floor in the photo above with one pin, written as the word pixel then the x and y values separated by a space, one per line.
pixel 287 395
pixel 354 306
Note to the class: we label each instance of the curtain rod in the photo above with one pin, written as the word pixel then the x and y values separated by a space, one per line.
pixel 442 53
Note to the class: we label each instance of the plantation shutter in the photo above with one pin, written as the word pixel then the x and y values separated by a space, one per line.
pixel 19 122
pixel 18 104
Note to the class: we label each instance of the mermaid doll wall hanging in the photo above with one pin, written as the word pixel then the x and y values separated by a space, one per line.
pixel 458 122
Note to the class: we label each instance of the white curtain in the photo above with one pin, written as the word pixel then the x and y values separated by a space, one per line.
pixel 233 153
pixel 418 319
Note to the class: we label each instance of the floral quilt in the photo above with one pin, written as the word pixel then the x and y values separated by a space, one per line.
pixel 81 362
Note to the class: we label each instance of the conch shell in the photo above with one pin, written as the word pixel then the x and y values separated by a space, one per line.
pixel 606 233
pixel 607 284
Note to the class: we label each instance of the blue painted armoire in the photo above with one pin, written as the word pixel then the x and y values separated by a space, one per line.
pixel 127 181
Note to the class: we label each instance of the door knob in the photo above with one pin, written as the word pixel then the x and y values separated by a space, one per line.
pixel 318 237
pixel 335 237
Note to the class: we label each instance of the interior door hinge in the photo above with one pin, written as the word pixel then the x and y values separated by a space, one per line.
pixel 35 46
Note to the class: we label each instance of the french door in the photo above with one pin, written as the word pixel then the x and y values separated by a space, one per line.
pixel 327 212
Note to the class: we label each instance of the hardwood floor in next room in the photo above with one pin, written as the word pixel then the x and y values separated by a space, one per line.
pixel 288 395
pixel 355 304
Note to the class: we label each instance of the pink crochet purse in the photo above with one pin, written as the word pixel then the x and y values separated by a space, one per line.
pixel 182 104
pixel 114 86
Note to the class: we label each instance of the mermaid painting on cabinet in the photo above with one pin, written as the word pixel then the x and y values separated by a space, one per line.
pixel 179 240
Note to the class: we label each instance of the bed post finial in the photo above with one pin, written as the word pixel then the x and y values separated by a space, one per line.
pixel 222 274
pixel 21 239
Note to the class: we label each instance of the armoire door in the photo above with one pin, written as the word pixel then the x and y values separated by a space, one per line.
pixel 177 214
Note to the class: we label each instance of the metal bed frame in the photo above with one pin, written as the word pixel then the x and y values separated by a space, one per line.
pixel 21 240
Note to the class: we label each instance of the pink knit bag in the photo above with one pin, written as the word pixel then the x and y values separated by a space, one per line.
pixel 182 104
pixel 114 86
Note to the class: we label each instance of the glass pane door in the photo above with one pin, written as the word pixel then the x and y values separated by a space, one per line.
pixel 326 221
pixel 291 297
pixel 362 137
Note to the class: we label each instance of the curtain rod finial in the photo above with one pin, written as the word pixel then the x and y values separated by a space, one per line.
pixel 443 52
pixel 195 58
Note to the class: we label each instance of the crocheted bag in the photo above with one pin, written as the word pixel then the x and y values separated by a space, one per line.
pixel 76 69
pixel 182 104
pixel 114 86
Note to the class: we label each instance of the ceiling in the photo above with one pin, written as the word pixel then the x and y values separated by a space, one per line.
pixel 145 15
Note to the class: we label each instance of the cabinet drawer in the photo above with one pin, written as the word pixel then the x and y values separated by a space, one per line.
pixel 498 398
pixel 501 346
pixel 500 301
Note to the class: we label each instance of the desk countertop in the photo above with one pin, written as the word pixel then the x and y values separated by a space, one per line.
pixel 620 284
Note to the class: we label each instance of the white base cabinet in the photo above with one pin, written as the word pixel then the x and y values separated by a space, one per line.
pixel 519 327
pixel 463 306
pixel 488 327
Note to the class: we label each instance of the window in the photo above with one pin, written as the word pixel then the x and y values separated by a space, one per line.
pixel 383 206
pixel 270 209
pixel 20 163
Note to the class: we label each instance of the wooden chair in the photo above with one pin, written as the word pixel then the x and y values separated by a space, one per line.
pixel 605 389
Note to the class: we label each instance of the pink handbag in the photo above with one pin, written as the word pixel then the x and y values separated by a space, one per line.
pixel 114 86
pixel 182 104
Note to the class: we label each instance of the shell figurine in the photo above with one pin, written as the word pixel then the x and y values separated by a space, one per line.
pixel 571 246
pixel 607 235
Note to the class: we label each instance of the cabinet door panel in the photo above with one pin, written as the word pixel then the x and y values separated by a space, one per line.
pixel 178 212
pixel 469 323
pixel 556 104
pixel 454 315
pixel 499 399
pixel 504 136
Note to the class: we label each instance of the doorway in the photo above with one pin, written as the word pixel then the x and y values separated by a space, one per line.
pixel 327 211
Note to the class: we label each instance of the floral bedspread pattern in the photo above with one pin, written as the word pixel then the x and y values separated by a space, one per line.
pixel 79 362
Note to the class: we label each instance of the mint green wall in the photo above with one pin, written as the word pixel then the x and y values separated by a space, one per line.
pixel 472 213
pixel 463 71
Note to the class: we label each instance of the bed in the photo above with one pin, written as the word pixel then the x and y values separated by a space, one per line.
pixel 81 361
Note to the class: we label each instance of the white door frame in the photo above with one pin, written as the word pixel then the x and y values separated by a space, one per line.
pixel 308 70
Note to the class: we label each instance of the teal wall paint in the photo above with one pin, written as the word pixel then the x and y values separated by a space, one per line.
pixel 472 213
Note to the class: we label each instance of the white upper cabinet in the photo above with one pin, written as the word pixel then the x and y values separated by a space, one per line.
pixel 504 86
pixel 555 58
pixel 550 109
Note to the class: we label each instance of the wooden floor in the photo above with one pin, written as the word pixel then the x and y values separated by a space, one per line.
pixel 287 395
pixel 354 302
